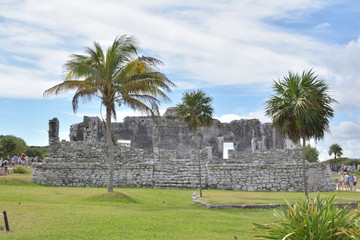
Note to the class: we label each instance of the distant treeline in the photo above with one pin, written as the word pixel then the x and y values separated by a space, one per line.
pixel 343 161
pixel 11 145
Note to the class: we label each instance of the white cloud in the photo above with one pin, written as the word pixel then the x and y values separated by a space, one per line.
pixel 219 43
pixel 344 75
pixel 346 130
pixel 226 118
pixel 346 134
pixel 322 26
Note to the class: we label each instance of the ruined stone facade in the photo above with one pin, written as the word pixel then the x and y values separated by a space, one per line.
pixel 162 155
pixel 168 132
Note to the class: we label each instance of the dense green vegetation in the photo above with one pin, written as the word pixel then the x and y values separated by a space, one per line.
pixel 11 145
pixel 318 219
pixel 311 154
pixel 343 161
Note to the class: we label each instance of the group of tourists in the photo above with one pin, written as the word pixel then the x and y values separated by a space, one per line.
pixel 21 160
pixel 345 168
pixel 347 181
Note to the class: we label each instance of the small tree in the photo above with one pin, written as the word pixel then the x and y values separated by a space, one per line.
pixel 311 154
pixel 336 150
pixel 118 77
pixel 301 109
pixel 196 111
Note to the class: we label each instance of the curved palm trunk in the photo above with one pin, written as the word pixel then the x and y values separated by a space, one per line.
pixel 197 139
pixel 110 150
pixel 304 169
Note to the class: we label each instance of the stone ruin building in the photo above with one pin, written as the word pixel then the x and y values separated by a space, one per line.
pixel 160 153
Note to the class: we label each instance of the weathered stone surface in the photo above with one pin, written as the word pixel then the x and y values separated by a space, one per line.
pixel 168 132
pixel 162 156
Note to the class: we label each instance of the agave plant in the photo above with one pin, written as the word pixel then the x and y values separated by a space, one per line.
pixel 318 219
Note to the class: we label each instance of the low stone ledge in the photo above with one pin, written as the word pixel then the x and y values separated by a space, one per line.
pixel 196 200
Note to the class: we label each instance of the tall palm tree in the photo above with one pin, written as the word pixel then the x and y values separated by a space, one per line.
pixel 196 111
pixel 301 109
pixel 336 150
pixel 117 76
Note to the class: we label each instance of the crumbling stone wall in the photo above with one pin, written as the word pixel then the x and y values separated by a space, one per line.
pixel 168 132
pixel 136 168
pixel 84 163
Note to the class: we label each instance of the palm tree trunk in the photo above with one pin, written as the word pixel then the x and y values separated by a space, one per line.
pixel 197 139
pixel 304 169
pixel 110 150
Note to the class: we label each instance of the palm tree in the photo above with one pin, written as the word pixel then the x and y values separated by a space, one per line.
pixel 336 150
pixel 301 109
pixel 196 111
pixel 117 77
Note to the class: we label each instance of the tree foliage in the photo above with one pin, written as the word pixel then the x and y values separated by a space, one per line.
pixel 336 150
pixel 118 77
pixel 34 151
pixel 301 106
pixel 11 145
pixel 311 154
pixel 343 161
pixel 301 109
pixel 196 111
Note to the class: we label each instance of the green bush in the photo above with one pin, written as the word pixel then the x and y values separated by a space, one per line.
pixel 20 170
pixel 317 219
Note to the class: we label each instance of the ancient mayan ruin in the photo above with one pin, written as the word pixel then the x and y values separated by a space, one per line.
pixel 160 153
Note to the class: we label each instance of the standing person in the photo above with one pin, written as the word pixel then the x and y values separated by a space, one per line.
pixel 5 164
pixel 351 181
pixel 341 180
pixel 347 186
pixel 22 159
pixel 16 160
pixel 355 181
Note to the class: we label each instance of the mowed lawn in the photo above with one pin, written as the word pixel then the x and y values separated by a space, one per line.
pixel 237 197
pixel 43 212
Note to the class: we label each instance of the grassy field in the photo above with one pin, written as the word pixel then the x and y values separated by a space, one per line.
pixel 43 212
pixel 235 197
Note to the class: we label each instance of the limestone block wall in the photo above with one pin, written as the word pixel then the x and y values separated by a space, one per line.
pixel 84 165
pixel 168 132
pixel 269 177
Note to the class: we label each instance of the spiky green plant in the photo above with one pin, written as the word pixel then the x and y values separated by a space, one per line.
pixel 318 219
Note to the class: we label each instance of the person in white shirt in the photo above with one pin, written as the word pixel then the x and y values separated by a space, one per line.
pixel 341 182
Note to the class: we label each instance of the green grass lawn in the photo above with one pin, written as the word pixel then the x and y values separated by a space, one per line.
pixel 236 197
pixel 43 212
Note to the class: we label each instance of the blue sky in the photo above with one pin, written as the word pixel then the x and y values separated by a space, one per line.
pixel 233 50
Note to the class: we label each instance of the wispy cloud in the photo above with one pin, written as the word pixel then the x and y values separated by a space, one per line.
pixel 218 43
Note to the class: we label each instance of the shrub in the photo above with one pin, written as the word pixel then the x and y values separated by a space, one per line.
pixel 20 170
pixel 317 219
